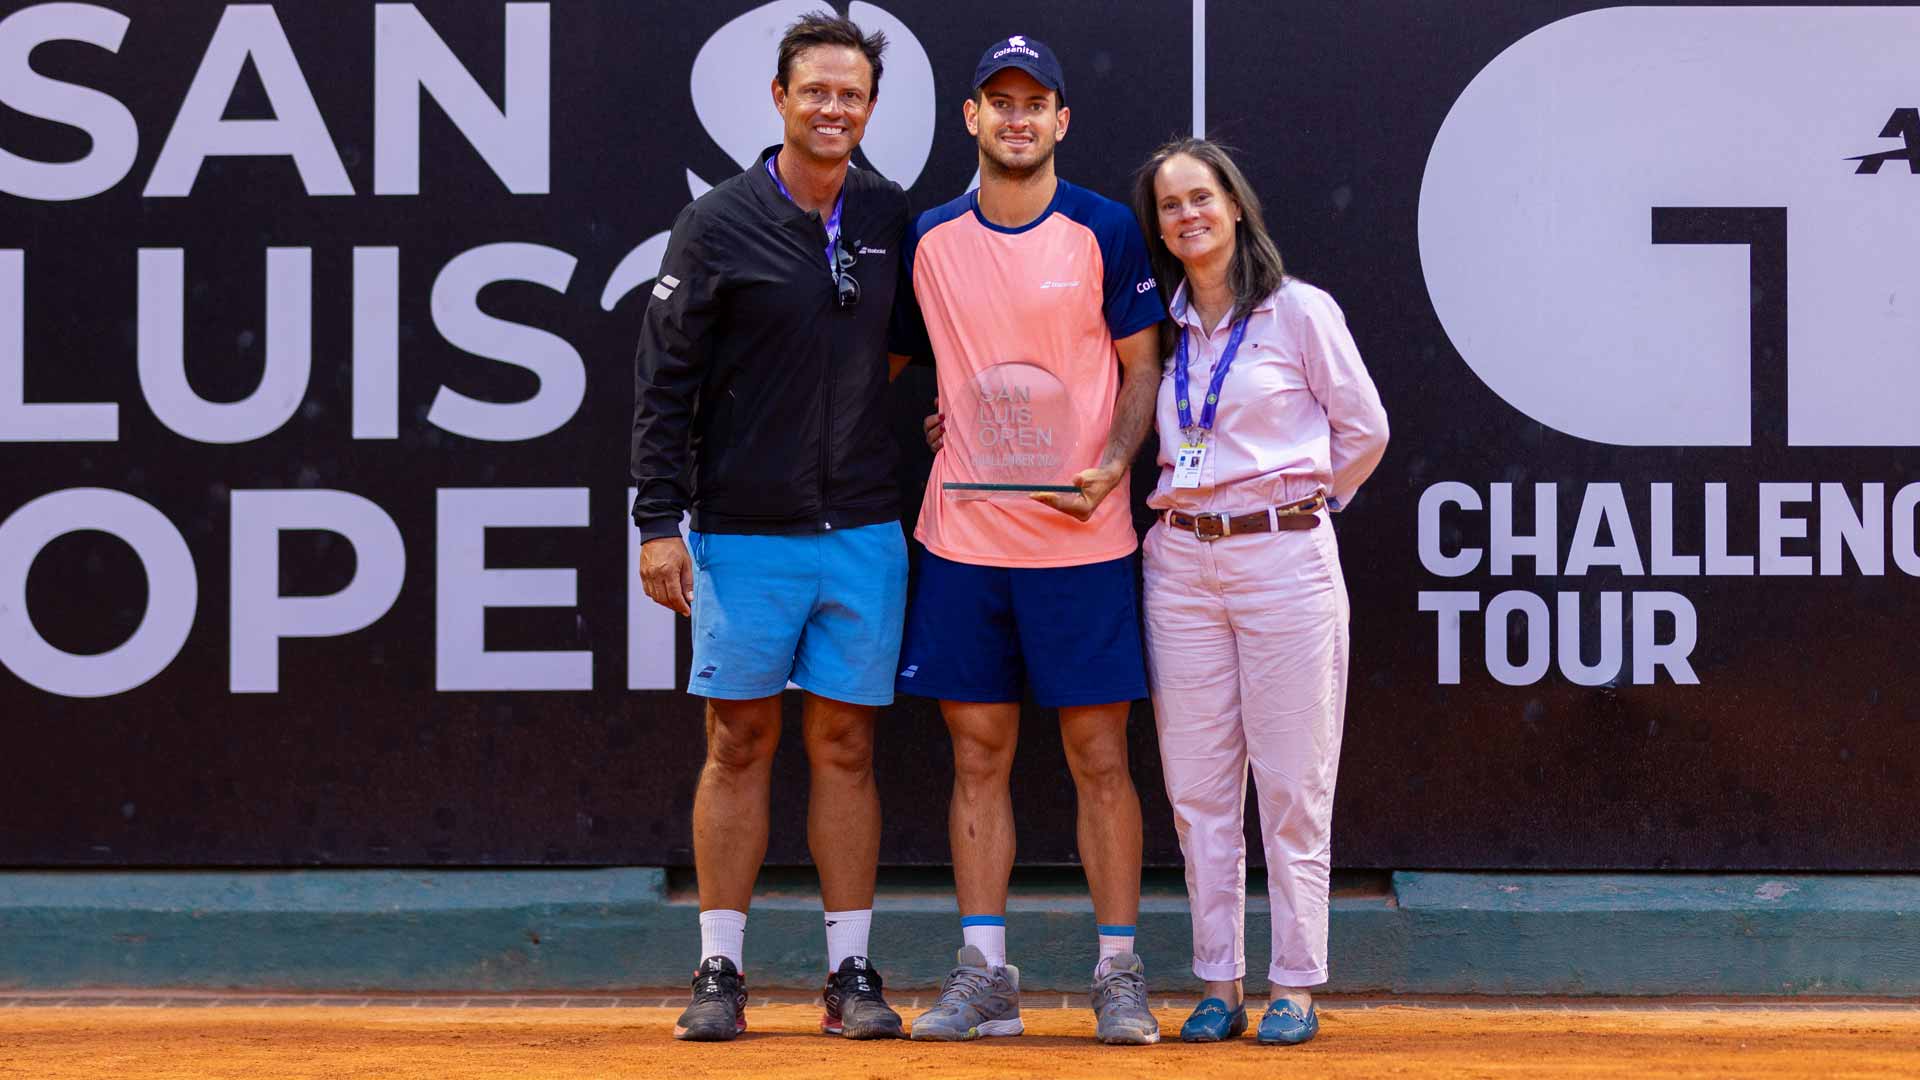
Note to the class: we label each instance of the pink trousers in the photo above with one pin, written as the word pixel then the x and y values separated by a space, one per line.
pixel 1247 657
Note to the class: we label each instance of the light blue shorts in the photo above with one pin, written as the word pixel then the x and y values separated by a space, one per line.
pixel 823 610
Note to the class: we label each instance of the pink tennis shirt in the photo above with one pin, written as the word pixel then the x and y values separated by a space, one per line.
pixel 1021 323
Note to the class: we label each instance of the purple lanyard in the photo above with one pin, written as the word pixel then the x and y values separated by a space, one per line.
pixel 833 219
pixel 1213 385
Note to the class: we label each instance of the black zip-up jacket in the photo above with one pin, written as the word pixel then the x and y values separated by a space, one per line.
pixel 758 403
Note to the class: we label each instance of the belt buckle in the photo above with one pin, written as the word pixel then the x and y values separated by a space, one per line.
pixel 1209 525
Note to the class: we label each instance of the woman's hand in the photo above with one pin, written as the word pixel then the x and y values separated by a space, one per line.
pixel 1093 484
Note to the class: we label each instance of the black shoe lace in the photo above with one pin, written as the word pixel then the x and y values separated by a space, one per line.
pixel 715 987
pixel 864 984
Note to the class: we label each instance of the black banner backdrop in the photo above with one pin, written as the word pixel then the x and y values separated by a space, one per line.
pixel 315 338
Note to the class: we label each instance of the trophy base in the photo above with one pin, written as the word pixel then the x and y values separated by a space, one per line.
pixel 1060 489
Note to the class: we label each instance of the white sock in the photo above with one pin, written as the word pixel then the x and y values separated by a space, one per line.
pixel 988 933
pixel 847 935
pixel 724 933
pixel 1115 940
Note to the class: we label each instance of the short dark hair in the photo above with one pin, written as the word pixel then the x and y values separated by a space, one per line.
pixel 1255 270
pixel 826 28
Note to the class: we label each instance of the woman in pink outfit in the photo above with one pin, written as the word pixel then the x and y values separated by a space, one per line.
pixel 1268 423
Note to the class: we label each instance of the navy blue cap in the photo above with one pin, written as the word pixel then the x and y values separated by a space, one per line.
pixel 1025 53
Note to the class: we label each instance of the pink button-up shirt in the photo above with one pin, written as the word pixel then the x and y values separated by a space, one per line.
pixel 1298 413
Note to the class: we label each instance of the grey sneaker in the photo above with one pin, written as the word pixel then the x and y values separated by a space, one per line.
pixel 1120 1002
pixel 976 1000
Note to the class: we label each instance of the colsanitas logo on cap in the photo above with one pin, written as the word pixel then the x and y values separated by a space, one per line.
pixel 1016 44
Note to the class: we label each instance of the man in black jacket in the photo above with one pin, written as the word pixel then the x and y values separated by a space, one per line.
pixel 758 405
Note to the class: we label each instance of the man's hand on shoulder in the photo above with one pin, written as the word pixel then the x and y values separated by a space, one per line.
pixel 666 573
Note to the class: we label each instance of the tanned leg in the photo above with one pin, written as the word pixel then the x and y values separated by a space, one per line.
pixel 980 818
pixel 730 805
pixel 843 807
pixel 1095 737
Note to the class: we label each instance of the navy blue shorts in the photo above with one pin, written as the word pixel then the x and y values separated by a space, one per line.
pixel 974 633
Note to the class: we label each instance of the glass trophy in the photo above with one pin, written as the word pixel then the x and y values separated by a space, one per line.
pixel 1016 432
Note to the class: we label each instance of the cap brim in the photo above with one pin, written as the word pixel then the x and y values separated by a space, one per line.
pixel 1024 65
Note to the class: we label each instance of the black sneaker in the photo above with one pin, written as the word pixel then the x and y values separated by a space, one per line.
pixel 719 1008
pixel 855 1008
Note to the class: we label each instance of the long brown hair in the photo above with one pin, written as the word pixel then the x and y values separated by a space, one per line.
pixel 1255 270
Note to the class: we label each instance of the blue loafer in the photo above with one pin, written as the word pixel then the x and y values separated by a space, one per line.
pixel 1211 1021
pixel 1285 1025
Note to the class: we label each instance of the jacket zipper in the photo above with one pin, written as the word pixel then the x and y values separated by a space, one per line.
pixel 826 445
pixel 826 402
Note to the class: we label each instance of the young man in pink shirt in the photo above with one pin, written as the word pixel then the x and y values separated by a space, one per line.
pixel 1037 302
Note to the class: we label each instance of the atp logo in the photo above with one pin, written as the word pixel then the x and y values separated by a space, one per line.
pixel 729 91
pixel 1659 262
pixel 1904 125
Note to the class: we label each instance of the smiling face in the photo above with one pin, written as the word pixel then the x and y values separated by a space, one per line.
pixel 826 102
pixel 1196 215
pixel 1017 122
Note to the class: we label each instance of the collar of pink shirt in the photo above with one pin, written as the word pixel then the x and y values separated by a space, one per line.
pixel 1183 313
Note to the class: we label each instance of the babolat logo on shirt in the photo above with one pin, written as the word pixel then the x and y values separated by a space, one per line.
pixel 1904 125
pixel 912 670
pixel 865 250
pixel 707 672
pixel 665 286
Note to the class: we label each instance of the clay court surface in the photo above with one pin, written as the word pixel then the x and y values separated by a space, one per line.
pixel 434 1040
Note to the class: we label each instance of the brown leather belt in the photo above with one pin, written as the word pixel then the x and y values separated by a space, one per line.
pixel 1212 526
